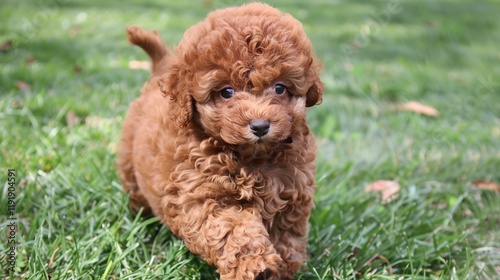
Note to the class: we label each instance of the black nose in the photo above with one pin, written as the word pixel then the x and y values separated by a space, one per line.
pixel 260 127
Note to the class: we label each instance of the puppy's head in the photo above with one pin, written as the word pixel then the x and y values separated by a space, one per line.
pixel 245 75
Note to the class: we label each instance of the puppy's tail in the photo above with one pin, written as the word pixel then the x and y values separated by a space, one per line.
pixel 151 43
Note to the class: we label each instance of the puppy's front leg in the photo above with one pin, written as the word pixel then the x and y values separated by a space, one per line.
pixel 232 238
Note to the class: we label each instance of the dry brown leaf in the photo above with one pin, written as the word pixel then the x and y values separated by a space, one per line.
pixel 486 185
pixel 418 107
pixel 139 64
pixel 77 68
pixel 71 118
pixel 208 3
pixel 430 23
pixel 30 60
pixel 7 155
pixel 16 104
pixel 93 121
pixel 354 254
pixel 382 258
pixel 22 85
pixel 388 189
pixel 51 261
pixel 74 30
pixel 6 46
pixel 356 44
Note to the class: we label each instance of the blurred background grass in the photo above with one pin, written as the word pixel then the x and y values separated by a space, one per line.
pixel 65 85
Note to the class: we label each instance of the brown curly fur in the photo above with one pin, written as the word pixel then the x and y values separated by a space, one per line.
pixel 187 155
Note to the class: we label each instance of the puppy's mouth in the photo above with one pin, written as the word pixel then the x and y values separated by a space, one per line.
pixel 288 140
pixel 259 149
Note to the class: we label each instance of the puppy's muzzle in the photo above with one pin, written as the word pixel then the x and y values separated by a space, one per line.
pixel 260 127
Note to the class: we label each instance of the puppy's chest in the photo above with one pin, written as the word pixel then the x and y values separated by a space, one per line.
pixel 253 184
pixel 268 189
pixel 267 186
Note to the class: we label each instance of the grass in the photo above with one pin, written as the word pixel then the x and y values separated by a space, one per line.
pixel 60 135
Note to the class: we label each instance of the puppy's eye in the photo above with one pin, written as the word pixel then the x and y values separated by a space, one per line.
pixel 227 93
pixel 279 88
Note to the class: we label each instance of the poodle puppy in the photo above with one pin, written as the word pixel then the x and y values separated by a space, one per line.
pixel 217 145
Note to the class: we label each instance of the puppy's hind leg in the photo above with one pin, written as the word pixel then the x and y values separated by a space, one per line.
pixel 127 176
pixel 126 169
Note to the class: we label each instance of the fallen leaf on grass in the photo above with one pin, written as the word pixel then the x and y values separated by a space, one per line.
pixel 100 123
pixel 356 44
pixel 51 261
pixel 74 30
pixel 388 189
pixel 486 185
pixel 418 107
pixel 6 46
pixel 77 68
pixel 355 253
pixel 382 258
pixel 30 60
pixel 208 3
pixel 22 85
pixel 16 104
pixel 7 155
pixel 430 23
pixel 93 121
pixel 71 118
pixel 139 64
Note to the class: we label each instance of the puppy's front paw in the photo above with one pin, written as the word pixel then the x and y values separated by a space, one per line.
pixel 252 268
pixel 266 274
pixel 262 268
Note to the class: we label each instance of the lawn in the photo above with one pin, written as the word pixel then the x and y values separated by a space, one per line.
pixel 66 83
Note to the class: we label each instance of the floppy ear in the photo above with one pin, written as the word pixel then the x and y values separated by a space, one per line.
pixel 315 92
pixel 171 86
